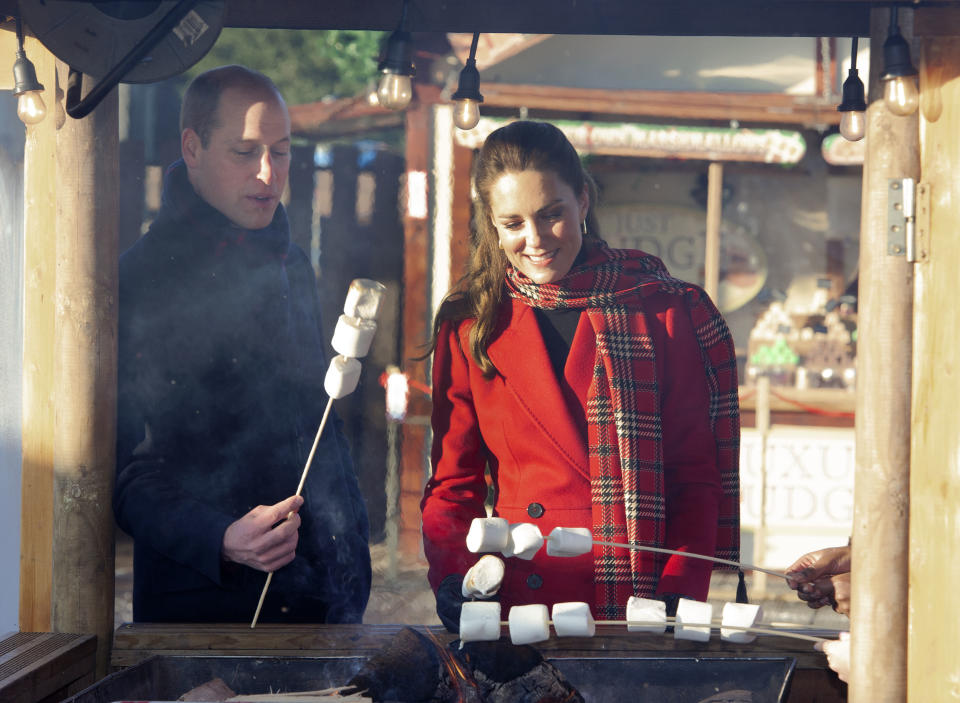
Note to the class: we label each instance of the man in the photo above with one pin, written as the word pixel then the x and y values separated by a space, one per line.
pixel 221 367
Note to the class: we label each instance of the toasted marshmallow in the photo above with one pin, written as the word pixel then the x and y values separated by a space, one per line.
pixel 484 578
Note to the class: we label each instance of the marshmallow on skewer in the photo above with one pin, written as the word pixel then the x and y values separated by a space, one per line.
pixel 353 336
pixel 363 298
pixel 480 621
pixel 525 540
pixel 646 615
pixel 693 620
pixel 483 579
pixel 529 623
pixel 569 541
pixel 573 620
pixel 488 534
pixel 342 376
pixel 737 616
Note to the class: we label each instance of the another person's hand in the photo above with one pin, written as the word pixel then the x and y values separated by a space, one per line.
pixel 838 655
pixel 450 601
pixel 266 537
pixel 822 578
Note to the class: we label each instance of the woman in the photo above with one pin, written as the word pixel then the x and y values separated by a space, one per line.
pixel 595 391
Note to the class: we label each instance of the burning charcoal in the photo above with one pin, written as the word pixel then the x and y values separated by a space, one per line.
pixel 406 669
pixel 507 673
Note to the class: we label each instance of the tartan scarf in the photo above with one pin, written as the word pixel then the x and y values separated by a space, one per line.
pixel 623 411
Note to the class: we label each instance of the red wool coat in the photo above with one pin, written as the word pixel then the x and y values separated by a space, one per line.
pixel 530 428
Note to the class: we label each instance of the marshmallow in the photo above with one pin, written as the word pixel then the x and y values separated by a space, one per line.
pixel 569 541
pixel 693 620
pixel 573 620
pixel 480 621
pixel 525 540
pixel 737 616
pixel 483 579
pixel 488 534
pixel 363 298
pixel 529 623
pixel 646 615
pixel 353 336
pixel 342 376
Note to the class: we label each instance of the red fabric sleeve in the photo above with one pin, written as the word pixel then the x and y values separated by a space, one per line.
pixel 456 491
pixel 691 476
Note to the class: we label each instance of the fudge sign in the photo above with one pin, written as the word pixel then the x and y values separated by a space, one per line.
pixel 678 236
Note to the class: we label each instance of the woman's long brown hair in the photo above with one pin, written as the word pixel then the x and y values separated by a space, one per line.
pixel 513 148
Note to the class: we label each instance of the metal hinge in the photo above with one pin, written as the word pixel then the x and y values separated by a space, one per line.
pixel 908 219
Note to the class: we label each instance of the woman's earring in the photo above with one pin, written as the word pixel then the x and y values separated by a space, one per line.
pixel 583 228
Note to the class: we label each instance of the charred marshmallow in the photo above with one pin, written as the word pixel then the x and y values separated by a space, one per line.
pixel 364 297
pixel 483 579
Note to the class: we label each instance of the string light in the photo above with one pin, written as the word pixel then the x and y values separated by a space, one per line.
pixel 30 106
pixel 900 93
pixel 395 89
pixel 853 107
pixel 467 99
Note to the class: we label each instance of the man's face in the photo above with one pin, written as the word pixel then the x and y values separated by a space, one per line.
pixel 243 169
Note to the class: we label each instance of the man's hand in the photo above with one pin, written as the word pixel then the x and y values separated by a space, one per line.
pixel 823 578
pixel 254 541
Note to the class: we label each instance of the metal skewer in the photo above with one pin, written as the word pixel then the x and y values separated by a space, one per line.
pixel 660 550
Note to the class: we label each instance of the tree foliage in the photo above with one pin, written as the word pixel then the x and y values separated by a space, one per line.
pixel 306 65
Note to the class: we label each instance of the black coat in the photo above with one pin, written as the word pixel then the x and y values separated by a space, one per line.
pixel 221 366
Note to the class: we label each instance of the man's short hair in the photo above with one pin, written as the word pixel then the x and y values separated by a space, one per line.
pixel 199 108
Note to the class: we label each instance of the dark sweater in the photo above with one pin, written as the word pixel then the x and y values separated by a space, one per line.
pixel 221 368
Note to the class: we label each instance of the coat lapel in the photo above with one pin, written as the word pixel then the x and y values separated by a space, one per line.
pixel 521 358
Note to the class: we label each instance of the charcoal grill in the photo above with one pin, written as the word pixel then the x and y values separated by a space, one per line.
pixel 599 679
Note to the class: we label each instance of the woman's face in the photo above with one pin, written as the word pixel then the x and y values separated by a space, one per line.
pixel 537 217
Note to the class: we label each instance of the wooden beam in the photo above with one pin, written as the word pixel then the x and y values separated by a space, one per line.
pixel 935 448
pixel 878 615
pixel 775 108
pixel 843 18
pixel 39 298
pixel 86 374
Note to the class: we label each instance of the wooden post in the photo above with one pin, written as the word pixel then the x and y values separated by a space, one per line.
pixel 86 374
pixel 881 497
pixel 934 483
pixel 711 263
pixel 39 276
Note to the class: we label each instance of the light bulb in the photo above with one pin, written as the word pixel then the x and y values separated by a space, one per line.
pixel 853 125
pixel 394 91
pixel 30 107
pixel 901 95
pixel 466 113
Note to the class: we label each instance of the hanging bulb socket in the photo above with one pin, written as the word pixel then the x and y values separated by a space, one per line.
pixel 900 92
pixel 896 56
pixel 467 99
pixel 30 106
pixel 395 89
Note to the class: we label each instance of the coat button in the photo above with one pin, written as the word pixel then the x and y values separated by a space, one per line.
pixel 534 581
pixel 535 510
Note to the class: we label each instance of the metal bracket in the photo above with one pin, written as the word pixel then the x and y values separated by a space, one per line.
pixel 900 216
